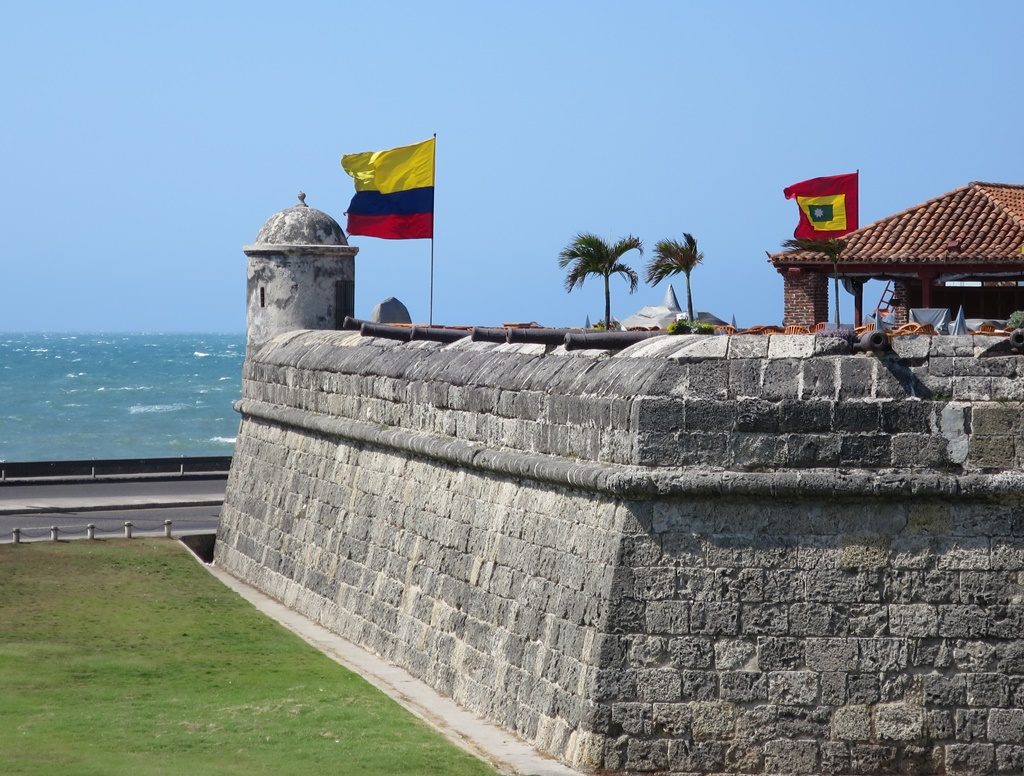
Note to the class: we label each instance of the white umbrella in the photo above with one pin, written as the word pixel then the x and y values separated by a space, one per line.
pixel 959 326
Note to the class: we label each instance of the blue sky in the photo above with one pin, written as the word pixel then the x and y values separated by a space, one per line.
pixel 143 145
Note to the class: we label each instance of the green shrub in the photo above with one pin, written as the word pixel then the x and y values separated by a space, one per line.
pixel 684 326
pixel 1016 321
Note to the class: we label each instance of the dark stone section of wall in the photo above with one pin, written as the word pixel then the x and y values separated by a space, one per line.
pixel 701 555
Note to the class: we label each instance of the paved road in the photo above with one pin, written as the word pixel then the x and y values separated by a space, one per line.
pixel 111 494
pixel 110 524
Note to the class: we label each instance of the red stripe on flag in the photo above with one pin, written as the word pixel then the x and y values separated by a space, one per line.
pixel 395 227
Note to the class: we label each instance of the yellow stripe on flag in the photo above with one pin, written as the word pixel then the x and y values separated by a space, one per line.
pixel 838 204
pixel 397 169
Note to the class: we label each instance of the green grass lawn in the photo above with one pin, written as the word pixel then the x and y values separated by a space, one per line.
pixel 127 658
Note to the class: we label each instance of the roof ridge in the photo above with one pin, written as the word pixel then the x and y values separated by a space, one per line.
pixel 1013 216
pixel 998 185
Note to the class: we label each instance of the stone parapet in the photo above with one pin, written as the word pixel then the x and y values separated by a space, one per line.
pixel 698 555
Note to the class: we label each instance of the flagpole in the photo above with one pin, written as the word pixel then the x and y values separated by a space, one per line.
pixel 430 321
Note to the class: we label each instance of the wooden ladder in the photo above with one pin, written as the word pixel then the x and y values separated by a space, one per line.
pixel 885 301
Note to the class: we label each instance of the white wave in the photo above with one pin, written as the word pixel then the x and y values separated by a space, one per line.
pixel 222 379
pixel 198 354
pixel 136 388
pixel 102 388
pixel 39 350
pixel 224 440
pixel 137 409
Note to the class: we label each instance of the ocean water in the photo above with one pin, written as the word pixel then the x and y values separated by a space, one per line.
pixel 74 396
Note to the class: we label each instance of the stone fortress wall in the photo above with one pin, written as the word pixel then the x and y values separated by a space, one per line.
pixel 696 555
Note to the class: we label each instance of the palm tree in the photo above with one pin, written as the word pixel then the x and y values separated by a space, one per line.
pixel 588 255
pixel 672 257
pixel 832 249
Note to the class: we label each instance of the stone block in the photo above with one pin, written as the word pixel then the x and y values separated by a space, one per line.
pixel 691 652
pixel 867 451
pixel 699 685
pixel 856 378
pixel 942 690
pixel 743 686
pixel 757 415
pixel 791 757
pixel 862 417
pixel 633 718
pixel 1010 758
pixel 992 452
pixel 676 719
pixel 812 450
pixel 805 416
pixel 745 378
pixel 775 654
pixel 790 346
pixel 686 756
pixel 764 619
pixel 748 346
pixel 966 621
pixel 872 758
pixel 851 723
pixel 882 655
pixel 915 620
pixel 831 654
pixel 713 720
pixel 988 689
pixel 914 347
pixel 820 379
pixel 646 755
pixel 714 618
pixel 658 685
pixel 707 379
pixel 733 654
pixel 1006 726
pixel 969 759
pixel 793 687
pixel 758 451
pixel 899 721
pixel 780 380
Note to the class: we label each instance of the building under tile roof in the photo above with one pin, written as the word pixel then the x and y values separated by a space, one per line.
pixel 979 222
pixel 973 233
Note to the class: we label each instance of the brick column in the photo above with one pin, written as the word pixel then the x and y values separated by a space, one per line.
pixel 806 297
pixel 900 303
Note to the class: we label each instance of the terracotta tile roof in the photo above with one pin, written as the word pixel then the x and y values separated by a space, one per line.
pixel 979 222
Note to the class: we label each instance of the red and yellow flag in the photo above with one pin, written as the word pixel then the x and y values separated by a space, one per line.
pixel 828 206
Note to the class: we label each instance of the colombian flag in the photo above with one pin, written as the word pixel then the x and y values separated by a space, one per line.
pixel 828 206
pixel 394 192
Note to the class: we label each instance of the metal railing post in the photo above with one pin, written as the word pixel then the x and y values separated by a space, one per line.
pixel 54 531
pixel 16 535
pixel 167 528
pixel 128 530
pixel 90 531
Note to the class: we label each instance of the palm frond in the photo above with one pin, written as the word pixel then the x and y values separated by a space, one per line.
pixel 831 249
pixel 628 273
pixel 672 257
pixel 589 254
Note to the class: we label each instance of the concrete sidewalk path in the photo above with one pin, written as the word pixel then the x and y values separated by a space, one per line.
pixel 108 496
pixel 501 749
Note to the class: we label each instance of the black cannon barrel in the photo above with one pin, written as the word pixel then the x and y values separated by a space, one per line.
pixel 352 324
pixel 489 334
pixel 1017 339
pixel 875 341
pixel 606 340
pixel 537 336
pixel 382 330
pixel 434 334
